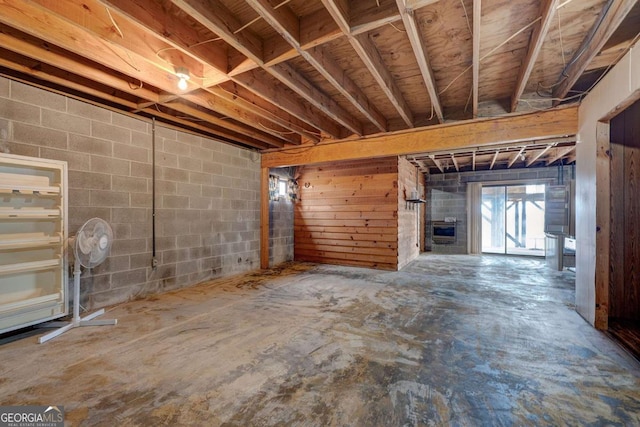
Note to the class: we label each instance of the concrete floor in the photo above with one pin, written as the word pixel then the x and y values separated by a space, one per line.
pixel 450 340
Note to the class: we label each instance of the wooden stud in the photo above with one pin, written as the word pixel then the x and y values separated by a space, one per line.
pixel 603 225
pixel 417 4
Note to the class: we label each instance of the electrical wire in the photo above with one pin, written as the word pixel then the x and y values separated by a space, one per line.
pixel 491 52
pixel 114 23
pixel 467 16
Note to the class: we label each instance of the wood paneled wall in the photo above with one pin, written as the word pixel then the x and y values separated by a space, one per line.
pixel 410 215
pixel 624 279
pixel 347 213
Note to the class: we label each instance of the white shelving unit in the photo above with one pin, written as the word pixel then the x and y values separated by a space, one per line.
pixel 33 235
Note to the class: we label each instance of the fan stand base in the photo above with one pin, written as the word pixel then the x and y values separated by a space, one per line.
pixel 77 321
pixel 65 326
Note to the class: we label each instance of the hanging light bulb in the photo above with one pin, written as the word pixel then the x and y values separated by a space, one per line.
pixel 183 75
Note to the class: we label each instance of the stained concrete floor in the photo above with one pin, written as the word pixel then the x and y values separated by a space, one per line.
pixel 450 340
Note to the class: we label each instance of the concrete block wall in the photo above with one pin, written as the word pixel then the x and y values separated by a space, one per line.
pixel 207 192
pixel 447 197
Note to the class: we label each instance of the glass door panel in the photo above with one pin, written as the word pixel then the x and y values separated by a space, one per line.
pixel 493 220
pixel 513 219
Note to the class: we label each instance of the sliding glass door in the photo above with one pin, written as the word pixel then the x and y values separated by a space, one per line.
pixel 513 219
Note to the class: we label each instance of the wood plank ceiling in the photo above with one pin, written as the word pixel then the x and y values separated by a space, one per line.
pixel 267 74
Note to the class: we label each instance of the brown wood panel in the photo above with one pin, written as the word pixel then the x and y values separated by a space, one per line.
pixel 334 226
pixel 344 205
pixel 343 229
pixel 408 214
pixel 632 213
pixel 365 243
pixel 342 215
pixel 624 286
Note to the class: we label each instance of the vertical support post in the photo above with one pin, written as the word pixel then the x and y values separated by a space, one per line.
pixel 264 218
pixel 603 224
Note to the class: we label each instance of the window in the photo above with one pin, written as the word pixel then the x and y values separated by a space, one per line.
pixel 282 188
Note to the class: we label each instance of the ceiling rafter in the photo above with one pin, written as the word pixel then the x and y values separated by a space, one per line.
pixel 370 56
pixel 547 12
pixel 288 26
pixel 52 74
pixel 493 161
pixel 455 162
pixel 539 154
pixel 477 20
pixel 614 13
pixel 516 156
pixel 217 18
pixel 437 163
pixel 185 39
pixel 420 53
pixel 561 153
pixel 95 48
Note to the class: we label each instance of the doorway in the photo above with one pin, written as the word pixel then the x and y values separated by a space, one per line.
pixel 513 219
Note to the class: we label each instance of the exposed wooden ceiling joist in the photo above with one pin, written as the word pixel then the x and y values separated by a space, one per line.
pixel 278 73
pixel 288 26
pixel 610 18
pixel 538 155
pixel 547 12
pixel 371 58
pixel 559 155
pixel 477 20
pixel 420 52
pixel 516 156
pixel 493 161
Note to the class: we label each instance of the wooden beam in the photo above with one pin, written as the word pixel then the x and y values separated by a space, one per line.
pixel 219 20
pixel 603 225
pixel 477 22
pixel 305 89
pixel 151 16
pixel 493 161
pixel 547 12
pixel 417 4
pixel 455 162
pixel 264 217
pixel 437 163
pixel 287 25
pixel 610 18
pixel 541 153
pixel 253 82
pixel 515 157
pixel 420 53
pixel 262 107
pixel 366 50
pixel 560 154
pixel 555 123
pixel 38 21
pixel 368 16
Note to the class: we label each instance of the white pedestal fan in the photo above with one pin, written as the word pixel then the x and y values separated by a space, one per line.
pixel 91 246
